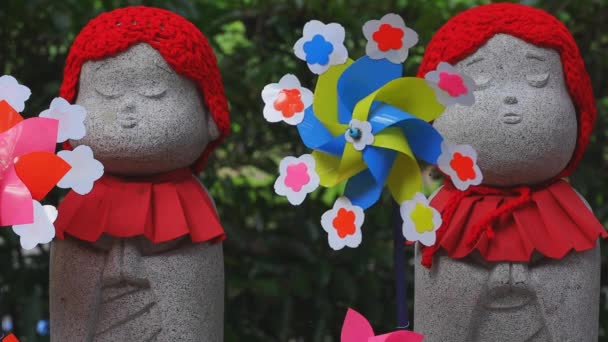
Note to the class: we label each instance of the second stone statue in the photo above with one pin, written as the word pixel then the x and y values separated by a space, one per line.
pixel 140 257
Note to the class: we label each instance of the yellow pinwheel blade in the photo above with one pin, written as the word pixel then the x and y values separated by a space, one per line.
pixel 405 179
pixel 392 138
pixel 333 170
pixel 325 102
pixel 410 94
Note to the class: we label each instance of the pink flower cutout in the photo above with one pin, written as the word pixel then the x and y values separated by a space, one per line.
pixel 297 176
pixel 452 84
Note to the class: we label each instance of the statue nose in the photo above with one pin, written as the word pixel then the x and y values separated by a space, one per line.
pixel 510 100
pixel 123 265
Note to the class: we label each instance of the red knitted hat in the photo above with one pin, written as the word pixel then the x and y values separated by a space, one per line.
pixel 462 35
pixel 181 44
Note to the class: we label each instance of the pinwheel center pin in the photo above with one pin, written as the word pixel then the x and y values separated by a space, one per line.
pixel 354 133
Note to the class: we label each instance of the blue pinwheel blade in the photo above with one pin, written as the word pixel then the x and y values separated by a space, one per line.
pixel 362 189
pixel 315 136
pixel 423 138
pixel 360 79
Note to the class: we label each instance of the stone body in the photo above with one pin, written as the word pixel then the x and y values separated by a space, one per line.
pixel 524 129
pixel 142 119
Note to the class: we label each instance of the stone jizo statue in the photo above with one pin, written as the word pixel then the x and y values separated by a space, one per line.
pixel 533 271
pixel 140 257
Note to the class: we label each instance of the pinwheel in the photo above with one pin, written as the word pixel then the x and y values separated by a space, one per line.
pixel 29 167
pixel 368 126
pixel 356 328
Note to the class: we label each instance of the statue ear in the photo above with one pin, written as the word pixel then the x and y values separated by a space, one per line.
pixel 212 129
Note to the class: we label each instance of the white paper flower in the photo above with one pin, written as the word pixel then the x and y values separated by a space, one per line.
pixel 286 100
pixel 297 178
pixel 420 220
pixel 459 162
pixel 70 117
pixel 343 224
pixel 85 170
pixel 451 86
pixel 359 134
pixel 13 92
pixel 389 38
pixel 41 230
pixel 321 46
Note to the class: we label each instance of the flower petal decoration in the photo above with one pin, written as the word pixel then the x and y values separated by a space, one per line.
pixel 27 136
pixel 286 100
pixel 71 119
pixel 359 133
pixel 343 224
pixel 297 178
pixel 13 92
pixel 420 220
pixel 39 231
pixel 451 86
pixel 84 172
pixel 356 328
pixel 459 162
pixel 389 38
pixel 321 46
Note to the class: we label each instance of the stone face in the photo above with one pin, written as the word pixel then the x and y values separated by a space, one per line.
pixel 143 118
pixel 472 300
pixel 524 128
pixel 523 123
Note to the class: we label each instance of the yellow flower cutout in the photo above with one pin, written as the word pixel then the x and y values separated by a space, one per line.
pixel 420 220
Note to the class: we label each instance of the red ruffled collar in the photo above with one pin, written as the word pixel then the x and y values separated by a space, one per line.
pixel 161 207
pixel 510 224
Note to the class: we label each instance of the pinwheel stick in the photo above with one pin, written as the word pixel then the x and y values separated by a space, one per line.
pixel 400 277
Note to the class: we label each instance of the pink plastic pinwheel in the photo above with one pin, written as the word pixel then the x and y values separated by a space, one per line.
pixel 356 328
pixel 26 145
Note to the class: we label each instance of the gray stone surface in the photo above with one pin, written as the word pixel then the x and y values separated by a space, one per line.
pixel 523 126
pixel 472 300
pixel 143 118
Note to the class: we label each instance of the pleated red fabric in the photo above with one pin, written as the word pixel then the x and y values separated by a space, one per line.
pixel 553 221
pixel 161 208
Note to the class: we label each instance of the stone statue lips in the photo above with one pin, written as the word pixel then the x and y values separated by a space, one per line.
pixel 511 118
pixel 508 297
pixel 127 121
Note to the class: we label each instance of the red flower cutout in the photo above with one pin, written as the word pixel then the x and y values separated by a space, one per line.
pixel 388 37
pixel 345 222
pixel 464 166
pixel 289 102
pixel 453 84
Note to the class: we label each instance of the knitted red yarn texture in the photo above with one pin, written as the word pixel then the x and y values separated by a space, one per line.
pixel 181 44
pixel 462 35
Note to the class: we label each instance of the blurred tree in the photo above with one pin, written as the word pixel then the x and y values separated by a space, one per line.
pixel 283 282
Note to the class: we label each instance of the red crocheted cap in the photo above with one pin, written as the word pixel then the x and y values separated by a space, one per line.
pixel 462 35
pixel 180 43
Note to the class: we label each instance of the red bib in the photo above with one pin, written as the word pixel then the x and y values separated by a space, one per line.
pixel 508 225
pixel 162 208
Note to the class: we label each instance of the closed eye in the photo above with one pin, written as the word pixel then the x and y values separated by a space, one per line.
pixel 538 80
pixel 152 92
pixel 482 82
pixel 108 92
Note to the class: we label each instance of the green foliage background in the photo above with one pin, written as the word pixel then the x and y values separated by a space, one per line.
pixel 283 282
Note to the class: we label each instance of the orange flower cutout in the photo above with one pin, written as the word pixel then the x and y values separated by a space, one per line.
pixel 388 37
pixel 289 102
pixel 344 222
pixel 464 166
